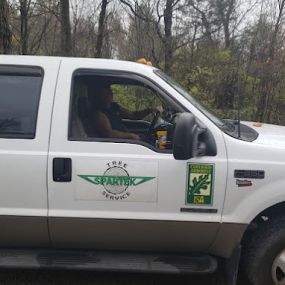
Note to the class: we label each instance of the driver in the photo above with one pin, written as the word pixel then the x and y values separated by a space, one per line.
pixel 107 115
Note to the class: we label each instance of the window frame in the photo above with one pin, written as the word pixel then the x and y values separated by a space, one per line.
pixel 25 71
pixel 121 74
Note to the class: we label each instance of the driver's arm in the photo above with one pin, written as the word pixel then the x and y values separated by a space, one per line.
pixel 138 115
pixel 102 123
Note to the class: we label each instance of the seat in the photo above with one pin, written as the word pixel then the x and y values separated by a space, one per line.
pixel 83 111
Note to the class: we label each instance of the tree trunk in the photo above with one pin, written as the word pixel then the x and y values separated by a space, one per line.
pixel 225 10
pixel 101 26
pixel 168 41
pixel 24 9
pixel 276 30
pixel 227 35
pixel 66 45
pixel 5 32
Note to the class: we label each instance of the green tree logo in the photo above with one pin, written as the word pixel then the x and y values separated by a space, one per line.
pixel 199 184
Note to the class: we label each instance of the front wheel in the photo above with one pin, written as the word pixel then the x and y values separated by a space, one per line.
pixel 278 269
pixel 264 254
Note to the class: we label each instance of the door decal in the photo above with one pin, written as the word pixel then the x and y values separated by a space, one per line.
pixel 117 183
pixel 200 184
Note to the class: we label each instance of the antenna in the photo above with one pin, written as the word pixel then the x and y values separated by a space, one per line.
pixel 239 103
pixel 238 94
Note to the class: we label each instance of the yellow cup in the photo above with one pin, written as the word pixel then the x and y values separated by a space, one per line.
pixel 161 139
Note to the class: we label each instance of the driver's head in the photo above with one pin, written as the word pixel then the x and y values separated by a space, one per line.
pixel 101 96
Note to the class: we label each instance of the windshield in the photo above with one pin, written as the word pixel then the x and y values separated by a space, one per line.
pixel 218 122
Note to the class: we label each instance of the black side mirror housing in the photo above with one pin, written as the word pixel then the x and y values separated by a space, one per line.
pixel 186 142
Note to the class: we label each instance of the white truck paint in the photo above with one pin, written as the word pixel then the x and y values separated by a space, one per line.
pixel 29 190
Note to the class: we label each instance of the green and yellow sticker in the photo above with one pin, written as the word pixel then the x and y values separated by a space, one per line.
pixel 200 184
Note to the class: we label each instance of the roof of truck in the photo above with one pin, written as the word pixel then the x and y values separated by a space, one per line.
pixel 106 63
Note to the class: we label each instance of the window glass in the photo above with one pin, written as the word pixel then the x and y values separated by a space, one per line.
pixel 19 99
pixel 135 97
pixel 216 120
pixel 120 108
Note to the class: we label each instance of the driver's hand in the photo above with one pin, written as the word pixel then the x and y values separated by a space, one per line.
pixel 157 109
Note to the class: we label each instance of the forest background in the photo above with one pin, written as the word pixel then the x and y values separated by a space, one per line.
pixel 229 54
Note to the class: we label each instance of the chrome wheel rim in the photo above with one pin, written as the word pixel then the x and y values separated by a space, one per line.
pixel 278 269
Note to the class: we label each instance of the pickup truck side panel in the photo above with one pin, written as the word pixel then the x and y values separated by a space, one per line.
pixel 23 163
pixel 37 210
pixel 82 215
pixel 243 204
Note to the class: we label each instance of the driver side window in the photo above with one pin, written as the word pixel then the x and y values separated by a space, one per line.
pixel 136 98
pixel 119 109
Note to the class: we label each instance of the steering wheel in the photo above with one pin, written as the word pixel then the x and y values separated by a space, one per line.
pixel 152 125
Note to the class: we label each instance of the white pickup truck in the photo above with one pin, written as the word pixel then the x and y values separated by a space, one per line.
pixel 192 190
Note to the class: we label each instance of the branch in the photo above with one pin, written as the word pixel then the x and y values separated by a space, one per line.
pixel 133 10
pixel 51 11
pixel 175 3
pixel 244 14
pixel 156 23
pixel 157 26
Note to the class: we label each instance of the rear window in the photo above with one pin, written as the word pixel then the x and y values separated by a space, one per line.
pixel 20 89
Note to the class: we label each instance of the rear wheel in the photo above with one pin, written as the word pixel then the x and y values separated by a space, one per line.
pixel 263 259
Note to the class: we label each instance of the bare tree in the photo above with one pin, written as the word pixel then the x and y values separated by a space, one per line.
pixel 277 26
pixel 225 13
pixel 141 38
pixel 168 39
pixel 268 75
pixel 66 43
pixel 101 25
pixel 24 18
pixel 204 15
pixel 5 32
pixel 165 11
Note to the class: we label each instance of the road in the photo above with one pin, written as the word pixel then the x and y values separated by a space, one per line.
pixel 53 277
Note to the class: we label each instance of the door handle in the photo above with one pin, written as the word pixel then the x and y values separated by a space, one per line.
pixel 62 169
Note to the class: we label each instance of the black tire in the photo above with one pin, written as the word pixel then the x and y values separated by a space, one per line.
pixel 261 249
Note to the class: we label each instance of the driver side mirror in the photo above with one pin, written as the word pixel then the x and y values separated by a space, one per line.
pixel 186 135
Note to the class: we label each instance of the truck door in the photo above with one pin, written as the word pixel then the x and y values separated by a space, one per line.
pixel 125 194
pixel 27 88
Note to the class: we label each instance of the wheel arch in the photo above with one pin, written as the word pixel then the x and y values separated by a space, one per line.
pixel 261 245
pixel 276 210
pixel 233 234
